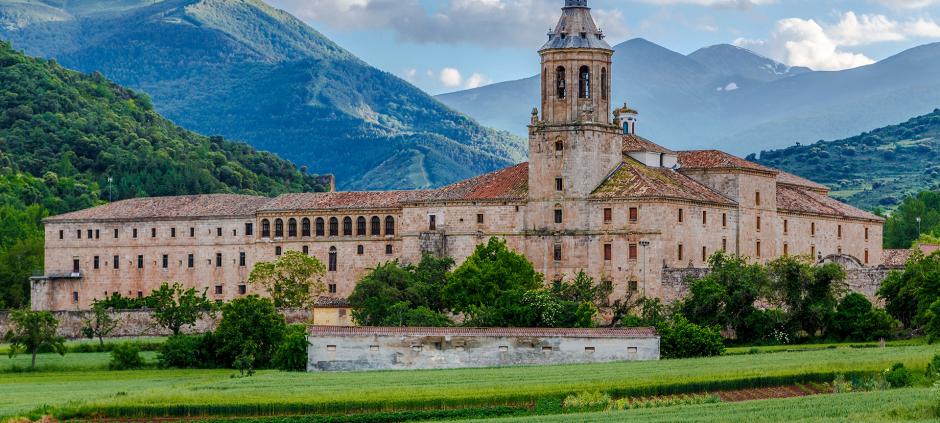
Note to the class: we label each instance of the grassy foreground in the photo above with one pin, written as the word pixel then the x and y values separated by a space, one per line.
pixel 173 393
pixel 909 405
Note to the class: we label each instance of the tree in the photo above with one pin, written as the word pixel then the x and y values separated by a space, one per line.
pixel 291 354
pixel 680 338
pixel 857 320
pixel 487 276
pixel 33 330
pixel 174 307
pixel 910 293
pixel 294 280
pixel 397 295
pixel 101 323
pixel 251 327
pixel 726 296
pixel 809 293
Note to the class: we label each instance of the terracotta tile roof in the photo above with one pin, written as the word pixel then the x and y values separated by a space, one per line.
pixel 634 180
pixel 511 183
pixel 800 200
pixel 791 179
pixel 633 143
pixel 896 258
pixel 187 206
pixel 714 159
pixel 331 302
pixel 506 332
pixel 343 200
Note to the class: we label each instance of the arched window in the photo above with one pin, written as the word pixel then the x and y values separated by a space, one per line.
pixel 559 145
pixel 584 82
pixel 278 228
pixel 604 83
pixel 320 229
pixel 376 226
pixel 332 260
pixel 347 226
pixel 561 86
pixel 305 227
pixel 334 226
pixel 292 228
pixel 265 228
pixel 389 225
pixel 361 226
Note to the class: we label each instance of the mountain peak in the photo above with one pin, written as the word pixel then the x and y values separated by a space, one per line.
pixel 738 62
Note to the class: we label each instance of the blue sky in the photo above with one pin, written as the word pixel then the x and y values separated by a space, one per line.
pixel 448 45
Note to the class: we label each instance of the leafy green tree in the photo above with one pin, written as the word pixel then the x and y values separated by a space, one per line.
pixel 294 280
pixel 33 330
pixel 857 320
pixel 251 327
pixel 680 338
pixel 101 323
pixel 397 295
pixel 809 293
pixel 902 228
pixel 487 276
pixel 726 297
pixel 291 354
pixel 175 307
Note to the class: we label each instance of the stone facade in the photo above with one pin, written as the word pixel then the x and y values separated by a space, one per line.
pixel 358 349
pixel 595 196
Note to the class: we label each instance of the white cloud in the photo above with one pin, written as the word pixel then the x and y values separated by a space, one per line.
pixel 476 80
pixel 800 42
pixel 485 22
pixel 728 4
pixel 908 4
pixel 451 78
pixel 410 75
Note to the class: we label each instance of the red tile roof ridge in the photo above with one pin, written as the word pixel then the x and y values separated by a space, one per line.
pixel 633 179
pixel 717 159
pixel 644 332
pixel 510 183
pixel 170 207
pixel 635 143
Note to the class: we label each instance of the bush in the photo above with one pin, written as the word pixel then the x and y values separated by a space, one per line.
pixel 250 326
pixel 585 401
pixel 857 320
pixel 188 352
pixel 933 368
pixel 683 339
pixel 291 355
pixel 898 376
pixel 126 356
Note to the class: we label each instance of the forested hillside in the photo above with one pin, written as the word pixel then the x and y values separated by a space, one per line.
pixel 876 169
pixel 62 134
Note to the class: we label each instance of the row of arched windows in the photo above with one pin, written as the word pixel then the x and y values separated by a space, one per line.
pixel 584 83
pixel 372 227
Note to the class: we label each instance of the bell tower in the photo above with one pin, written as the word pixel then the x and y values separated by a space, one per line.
pixel 573 145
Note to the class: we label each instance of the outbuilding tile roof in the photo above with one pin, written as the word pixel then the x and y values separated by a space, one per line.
pixel 344 200
pixel 633 180
pixel 470 332
pixel 800 200
pixel 714 159
pixel 896 258
pixel 179 207
pixel 511 183
pixel 633 143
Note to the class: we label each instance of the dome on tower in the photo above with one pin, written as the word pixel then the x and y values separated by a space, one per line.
pixel 576 29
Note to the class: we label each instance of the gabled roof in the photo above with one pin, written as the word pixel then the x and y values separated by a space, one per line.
pixel 507 184
pixel 714 159
pixel 179 207
pixel 633 180
pixel 633 143
pixel 344 200
pixel 791 179
pixel 806 201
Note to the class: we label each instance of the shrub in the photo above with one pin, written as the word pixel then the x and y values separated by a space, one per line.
pixel 188 352
pixel 586 401
pixel 933 368
pixel 683 339
pixel 250 326
pixel 291 355
pixel 126 356
pixel 898 376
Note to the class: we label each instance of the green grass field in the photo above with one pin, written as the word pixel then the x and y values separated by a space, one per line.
pixel 909 405
pixel 152 393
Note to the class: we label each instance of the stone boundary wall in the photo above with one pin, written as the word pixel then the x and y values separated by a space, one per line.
pixel 134 323
pixel 865 281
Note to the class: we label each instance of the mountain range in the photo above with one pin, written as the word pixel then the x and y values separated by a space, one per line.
pixel 733 99
pixel 247 71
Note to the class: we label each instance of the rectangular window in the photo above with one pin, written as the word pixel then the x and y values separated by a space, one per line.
pixel 277 251
pixel 153 232
pixel 812 229
pixel 757 198
pixel 218 231
pixel 633 252
pixel 192 232
pixel 608 215
pixel 117 262
pixel 812 252
pixel 704 217
pixel 388 249
pixel 558 216
pixel 559 184
pixel 589 350
pixel 75 296
pixel 191 261
pixel 241 259
pixel 250 229
pixel 608 252
pixel 480 218
pixel 866 256
pixel 758 224
pixel 140 262
pixel 704 254
pixel 866 234
pixel 140 294
pixel 135 233
pixel 556 252
pixel 218 259
pixel 360 250
pixel 724 244
pixel 680 252
pixel 332 288
pixel 78 234
pixel 758 249
pixel 432 223
pixel 681 215
pixel 96 263
pixel 76 265
pixel 634 214
pixel 172 232
pixel 306 250
pixel 331 347
pixel 218 290
pixel 61 234
pixel 90 234
pixel 242 289
pixel 503 348
pixel 633 286
pixel 786 226
pixel 166 261
pixel 97 234
pixel 115 234
pixel 786 250
pixel 839 232
pixel 724 220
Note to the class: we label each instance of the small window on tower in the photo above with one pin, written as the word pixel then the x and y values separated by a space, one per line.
pixel 561 85
pixel 559 146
